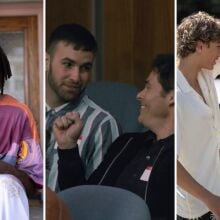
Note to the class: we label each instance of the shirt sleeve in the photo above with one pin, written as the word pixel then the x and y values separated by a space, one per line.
pixel 70 169
pixel 30 156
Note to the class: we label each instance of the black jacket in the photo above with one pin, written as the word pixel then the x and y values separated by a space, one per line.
pixel 160 188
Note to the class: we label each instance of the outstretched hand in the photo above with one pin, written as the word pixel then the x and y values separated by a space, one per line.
pixel 67 130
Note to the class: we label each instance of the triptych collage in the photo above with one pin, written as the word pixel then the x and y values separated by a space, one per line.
pixel 109 110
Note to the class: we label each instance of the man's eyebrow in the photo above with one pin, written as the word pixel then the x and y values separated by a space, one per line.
pixel 74 62
pixel 87 64
pixel 68 59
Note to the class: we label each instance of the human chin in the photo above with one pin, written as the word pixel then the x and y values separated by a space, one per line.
pixel 141 117
pixel 143 120
pixel 209 67
pixel 213 64
pixel 69 95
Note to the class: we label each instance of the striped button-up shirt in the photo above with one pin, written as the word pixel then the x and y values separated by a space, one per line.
pixel 99 131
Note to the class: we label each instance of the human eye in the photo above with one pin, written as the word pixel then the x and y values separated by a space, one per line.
pixel 147 86
pixel 67 64
pixel 86 68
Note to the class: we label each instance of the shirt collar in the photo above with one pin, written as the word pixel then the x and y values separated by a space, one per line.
pixel 76 101
pixel 48 108
pixel 149 136
pixel 182 83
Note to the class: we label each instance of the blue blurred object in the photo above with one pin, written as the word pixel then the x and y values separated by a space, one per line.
pixel 96 202
pixel 119 99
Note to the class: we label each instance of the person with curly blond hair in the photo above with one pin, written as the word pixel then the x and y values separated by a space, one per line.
pixel 198 118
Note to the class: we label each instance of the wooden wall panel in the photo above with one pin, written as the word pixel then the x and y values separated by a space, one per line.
pixel 67 11
pixel 33 91
pixel 153 34
pixel 134 32
pixel 118 40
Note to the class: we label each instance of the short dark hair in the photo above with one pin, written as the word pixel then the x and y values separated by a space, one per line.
pixel 74 34
pixel 199 26
pixel 163 65
pixel 5 69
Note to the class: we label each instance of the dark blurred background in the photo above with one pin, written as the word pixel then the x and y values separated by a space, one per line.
pixel 187 7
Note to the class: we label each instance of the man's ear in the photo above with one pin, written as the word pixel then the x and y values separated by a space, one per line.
pixel 47 62
pixel 171 98
pixel 199 46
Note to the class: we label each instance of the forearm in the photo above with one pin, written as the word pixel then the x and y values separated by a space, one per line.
pixel 70 169
pixel 28 184
pixel 189 184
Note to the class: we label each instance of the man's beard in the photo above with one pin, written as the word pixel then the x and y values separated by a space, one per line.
pixel 61 94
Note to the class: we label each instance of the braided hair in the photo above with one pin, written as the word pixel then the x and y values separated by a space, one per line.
pixel 5 70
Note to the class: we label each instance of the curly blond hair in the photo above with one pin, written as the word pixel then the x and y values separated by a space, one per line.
pixel 197 27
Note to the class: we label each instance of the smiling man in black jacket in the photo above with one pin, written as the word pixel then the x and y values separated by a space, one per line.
pixel 140 162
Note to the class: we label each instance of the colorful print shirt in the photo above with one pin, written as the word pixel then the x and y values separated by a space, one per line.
pixel 19 141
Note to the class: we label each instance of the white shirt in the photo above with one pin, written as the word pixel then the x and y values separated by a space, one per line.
pixel 217 85
pixel 13 197
pixel 198 140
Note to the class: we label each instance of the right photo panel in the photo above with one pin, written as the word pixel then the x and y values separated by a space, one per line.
pixel 198 112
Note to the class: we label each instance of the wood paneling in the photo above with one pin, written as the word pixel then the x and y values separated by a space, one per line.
pixel 153 34
pixel 65 11
pixel 134 32
pixel 32 80
pixel 118 40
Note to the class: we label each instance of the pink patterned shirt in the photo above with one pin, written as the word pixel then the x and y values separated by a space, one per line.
pixel 19 141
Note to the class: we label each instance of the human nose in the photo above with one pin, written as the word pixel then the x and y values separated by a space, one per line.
pixel 75 74
pixel 140 95
pixel 218 51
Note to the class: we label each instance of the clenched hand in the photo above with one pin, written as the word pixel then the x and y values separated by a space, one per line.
pixel 67 130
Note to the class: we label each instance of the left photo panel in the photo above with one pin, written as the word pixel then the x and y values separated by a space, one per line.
pixel 21 109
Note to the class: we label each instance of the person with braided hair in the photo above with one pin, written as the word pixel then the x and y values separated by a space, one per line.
pixel 21 166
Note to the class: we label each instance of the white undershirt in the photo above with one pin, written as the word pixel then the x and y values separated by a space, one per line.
pixel 217 85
